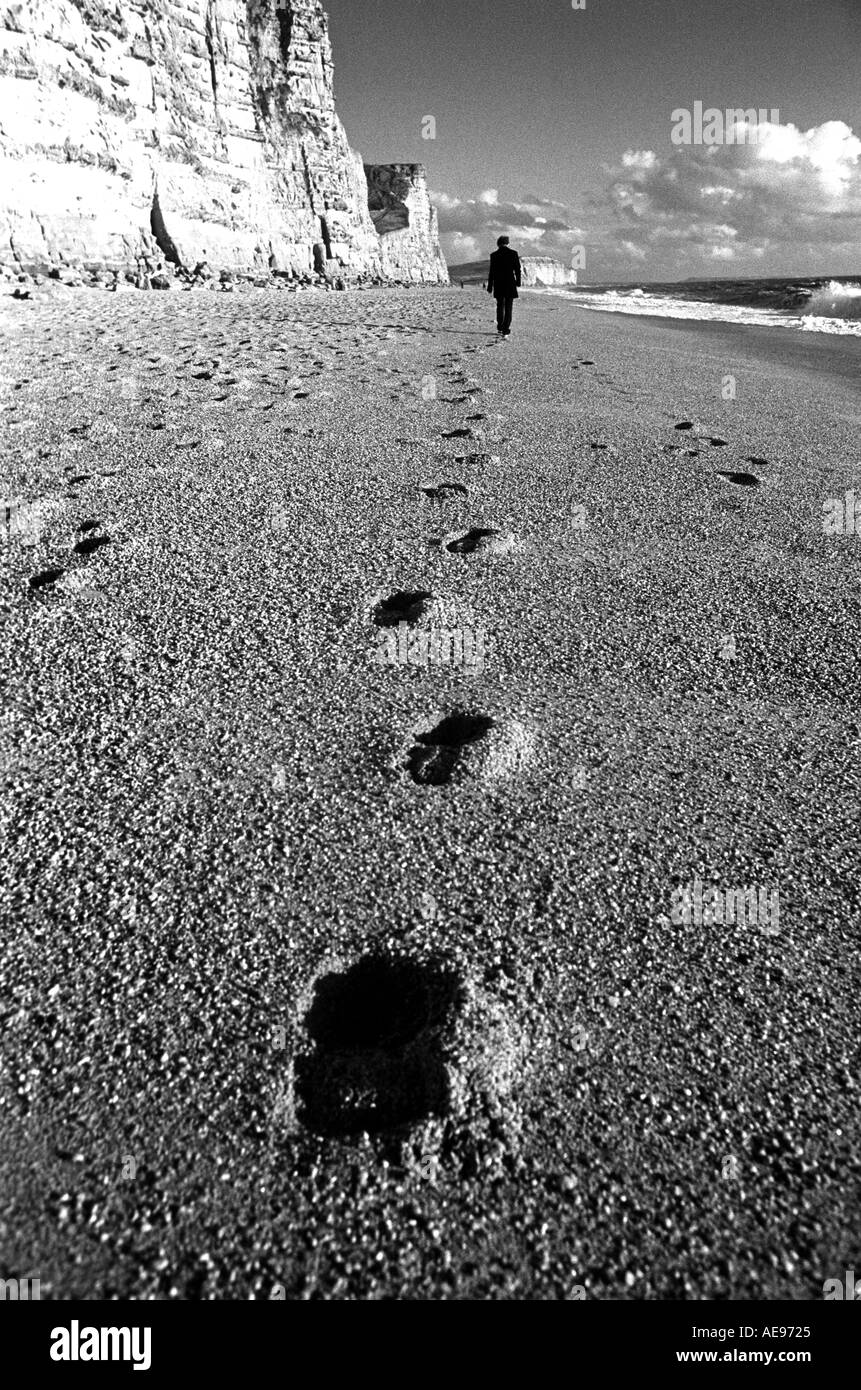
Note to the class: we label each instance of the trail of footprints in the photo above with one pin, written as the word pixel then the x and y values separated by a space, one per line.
pixel 281 360
pixel 738 477
pixel 385 1038
pixel 87 546
pixel 380 1036
pixel 439 753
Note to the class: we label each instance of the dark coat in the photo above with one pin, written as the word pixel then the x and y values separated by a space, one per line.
pixel 504 274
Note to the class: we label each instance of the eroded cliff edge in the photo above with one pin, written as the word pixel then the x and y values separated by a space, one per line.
pixel 406 222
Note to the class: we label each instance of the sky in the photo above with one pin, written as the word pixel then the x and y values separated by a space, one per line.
pixel 555 125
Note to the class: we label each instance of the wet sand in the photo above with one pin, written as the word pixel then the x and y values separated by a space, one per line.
pixel 335 971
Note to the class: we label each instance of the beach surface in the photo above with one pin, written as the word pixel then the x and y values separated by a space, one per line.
pixel 340 964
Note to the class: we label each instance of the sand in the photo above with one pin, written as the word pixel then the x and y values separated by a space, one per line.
pixel 330 970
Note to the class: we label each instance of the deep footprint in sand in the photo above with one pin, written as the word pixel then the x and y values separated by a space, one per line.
pixel 377 1035
pixel 90 545
pixel 465 745
pixel 405 606
pixel 740 479
pixel 45 577
pixel 438 751
pixel 459 434
pixel 482 540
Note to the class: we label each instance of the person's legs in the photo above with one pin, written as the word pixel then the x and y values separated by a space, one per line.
pixel 500 314
pixel 506 321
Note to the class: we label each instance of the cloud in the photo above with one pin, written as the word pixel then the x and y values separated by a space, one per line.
pixel 791 195
pixel 460 247
pixel 469 226
pixel 787 203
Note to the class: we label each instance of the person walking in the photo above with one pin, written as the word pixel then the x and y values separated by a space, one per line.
pixel 502 283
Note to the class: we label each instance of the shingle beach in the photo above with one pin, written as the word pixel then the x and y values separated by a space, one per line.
pixel 370 690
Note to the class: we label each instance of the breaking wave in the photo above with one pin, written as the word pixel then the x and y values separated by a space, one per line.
pixel 832 306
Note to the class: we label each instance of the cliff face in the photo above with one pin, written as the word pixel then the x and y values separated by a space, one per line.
pixel 406 223
pixel 191 130
pixel 544 270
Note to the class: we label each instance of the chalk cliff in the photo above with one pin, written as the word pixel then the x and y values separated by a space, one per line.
pixel 142 133
pixel 406 223
pixel 544 270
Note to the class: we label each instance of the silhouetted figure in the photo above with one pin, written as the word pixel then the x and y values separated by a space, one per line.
pixel 502 283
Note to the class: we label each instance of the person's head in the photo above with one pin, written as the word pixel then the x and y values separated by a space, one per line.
pixel 503 240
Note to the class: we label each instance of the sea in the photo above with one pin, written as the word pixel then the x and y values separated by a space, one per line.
pixel 810 306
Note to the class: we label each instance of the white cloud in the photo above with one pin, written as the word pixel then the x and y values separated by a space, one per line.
pixel 791 199
pixel 469 227
pixel 639 159
pixel 459 247
pixel 788 194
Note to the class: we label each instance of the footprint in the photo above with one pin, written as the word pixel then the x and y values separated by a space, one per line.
pixel 741 479
pixel 482 540
pixel 758 463
pixel 438 493
pixel 459 434
pixel 684 425
pixel 87 526
pixel 377 1036
pixel 90 545
pixel 44 578
pixel 718 443
pixel 403 607
pixel 437 752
